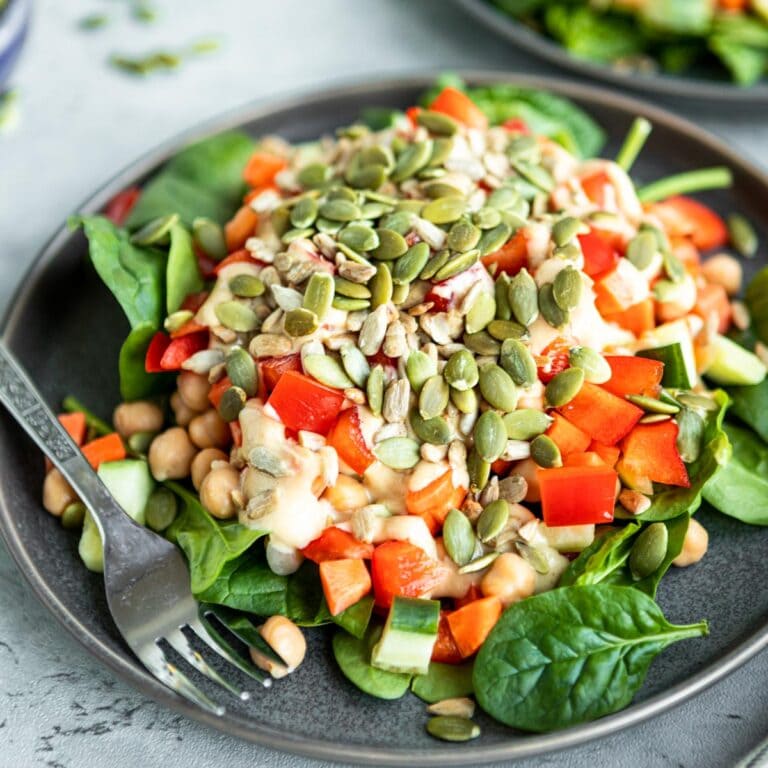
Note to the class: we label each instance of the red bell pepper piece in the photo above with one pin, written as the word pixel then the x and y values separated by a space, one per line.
pixel 261 168
pixel 577 495
pixel 594 187
pixel 650 450
pixel 344 583
pixel 107 448
pixel 120 206
pixel 402 569
pixel 155 351
pixel 459 106
pixel 433 502
pixel 335 544
pixel 516 125
pixel 608 453
pixel 237 257
pixel 75 425
pixel 501 467
pixel 556 353
pixel 512 256
pixel 634 376
pixel 189 327
pixel 603 416
pixel 412 113
pixel 347 438
pixel 566 436
pixel 272 368
pixel 182 349
pixel 599 255
pixel 303 403
pixel 685 217
pixel 637 318
pixel 583 459
pixel 218 388
pixel 471 624
pixel 445 650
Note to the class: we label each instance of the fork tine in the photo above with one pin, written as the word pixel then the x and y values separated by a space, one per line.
pixel 181 645
pixel 212 637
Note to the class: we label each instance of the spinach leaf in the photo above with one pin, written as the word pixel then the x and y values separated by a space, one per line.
pixel 756 298
pixel 208 545
pixel 571 655
pixel 182 272
pixel 205 179
pixel 356 618
pixel 750 404
pixel 602 558
pixel 353 655
pixel 135 382
pixel 304 600
pixel 134 275
pixel 444 681
pixel 740 489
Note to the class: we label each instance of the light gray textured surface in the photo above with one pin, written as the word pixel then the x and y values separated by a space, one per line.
pixel 81 121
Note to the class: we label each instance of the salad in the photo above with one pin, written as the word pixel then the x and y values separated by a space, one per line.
pixel 446 382
pixel 730 36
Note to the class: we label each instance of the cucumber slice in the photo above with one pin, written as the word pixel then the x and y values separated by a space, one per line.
pixel 666 334
pixel 676 372
pixel 409 636
pixel 734 365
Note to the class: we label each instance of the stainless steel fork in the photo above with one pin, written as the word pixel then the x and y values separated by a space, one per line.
pixel 145 577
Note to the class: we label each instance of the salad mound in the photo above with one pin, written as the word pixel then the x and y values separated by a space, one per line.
pixel 443 383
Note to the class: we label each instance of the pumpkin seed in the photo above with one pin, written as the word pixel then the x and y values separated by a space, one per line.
pixel 280 219
pixel 410 264
pixel 652 405
pixel 400 222
pixel 503 198
pixel 497 388
pixel 648 551
pixel 246 286
pixel 743 235
pixel 411 160
pixel 641 249
pixel 374 389
pixel 327 226
pixel 563 387
pixel 487 218
pixel 516 359
pixel 535 174
pixel 550 309
pixel 594 365
pixel 326 370
pixel 318 295
pixel 367 177
pixel 461 370
pixel 566 288
pixel 482 312
pixel 359 237
pixel 262 458
pixel 444 210
pixel 391 246
pixel 673 267
pixel 507 329
pixel 501 294
pixel 355 364
pixel 433 397
pixel 348 304
pixel 155 232
pixel 545 453
pixel 693 400
pixel 458 537
pixel 490 436
pixel 492 520
pixel 296 234
pixel 435 264
pixel 398 452
pixel 456 265
pixel 353 256
pixel 341 192
pixel 463 236
pixel 236 316
pixel 465 400
pixel 569 252
pixel 161 509
pixel 304 213
pixel 440 188
pixel 435 430
pixel 381 287
pixel 526 423
pixel 177 319
pixel 482 343
pixel 690 435
pixel 533 556
pixel 300 322
pixel 492 239
pixel 523 146
pixel 441 150
pixel 373 211
pixel 479 564
pixel 565 229
pixel 666 397
pixel 340 210
pixel 437 122
pixel 479 471
pixel 523 298
pixel 314 175
pixel 139 442
pixel 349 289
pixel 231 403
pixel 654 418
pixel 242 371
pixel 209 238
pixel 418 368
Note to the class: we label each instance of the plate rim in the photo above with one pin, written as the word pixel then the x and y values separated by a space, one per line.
pixel 690 88
pixel 128 670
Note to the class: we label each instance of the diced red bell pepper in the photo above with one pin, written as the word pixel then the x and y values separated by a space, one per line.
pixel 433 502
pixel 182 349
pixel 594 187
pixel 583 459
pixel 599 255
pixel 512 256
pixel 557 353
pixel 402 569
pixel 608 453
pixel 602 415
pixel 577 495
pixel 206 265
pixel 445 650
pixel 237 257
pixel 637 318
pixel 501 467
pixel 189 327
pixel 566 436
pixel 471 624
pixel 516 125
pixel 455 104
pixel 218 388
pixel 650 450
pixel 412 113
pixel 303 403
pixel 634 376
pixel 344 583
pixel 685 217
pixel 120 206
pixel 348 440
pixel 155 351
pixel 335 544
pixel 107 448
pixel 272 368
pixel 447 294
pixel 75 425
pixel 262 167
pixel 381 359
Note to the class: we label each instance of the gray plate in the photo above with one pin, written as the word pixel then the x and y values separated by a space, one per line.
pixel 699 86
pixel 66 329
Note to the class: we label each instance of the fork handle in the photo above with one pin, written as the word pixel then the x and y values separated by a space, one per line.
pixel 26 405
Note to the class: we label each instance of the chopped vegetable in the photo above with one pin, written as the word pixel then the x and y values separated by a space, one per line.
pixel 303 403
pixel 400 569
pixel 335 544
pixel 577 495
pixel 650 450
pixel 344 583
pixel 471 624
pixel 603 416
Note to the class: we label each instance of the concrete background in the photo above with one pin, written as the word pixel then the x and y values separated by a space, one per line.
pixel 81 121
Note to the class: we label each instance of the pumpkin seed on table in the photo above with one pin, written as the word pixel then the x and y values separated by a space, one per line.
pixel 493 239
pixel 641 249
pixel 545 453
pixel 458 537
pixel 481 312
pixel 155 232
pixel 437 122
pixel 411 160
pixel 565 229
pixel 742 235
pixel 359 237
pixel 490 436
pixel 209 237
pixel 434 431
pixel 327 371
pixel 381 287
pixel 516 359
pixel 550 309
pixel 246 286
pixel 492 520
pixel 435 264
pixel 507 329
pixel 457 264
pixel 461 370
pixel 314 175
pixel 340 210
pixel 497 387
pixel 237 316
pixel 300 322
pixel 652 405
pixel 348 304
pixel 242 371
pixel 523 298
pixel 567 288
pixel 479 564
pixel 478 469
pixel 374 389
pixel 465 400
pixel 433 397
pixel 463 236
pixel 304 213
pixel 231 403
pixel 649 550
pixel 563 387
pixel 318 295
pixel 418 368
pixel 444 210
pixel 398 452
pixel 595 366
pixel 501 295
pixel 392 245
pixel 526 423
pixel 533 556
pixel 407 268
pixel 296 234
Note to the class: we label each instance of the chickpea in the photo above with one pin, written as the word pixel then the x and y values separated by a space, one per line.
pixel 724 270
pixel 347 494
pixel 527 468
pixel 171 454
pixel 209 430
pixel 201 464
pixel 510 579
pixel 287 640
pixel 58 494
pixel 139 416
pixel 181 411
pixel 194 389
pixel 694 546
pixel 216 491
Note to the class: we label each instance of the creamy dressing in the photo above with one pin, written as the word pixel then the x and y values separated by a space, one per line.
pixel 386 486
pixel 206 315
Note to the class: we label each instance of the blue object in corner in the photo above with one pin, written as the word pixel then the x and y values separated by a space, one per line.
pixel 14 22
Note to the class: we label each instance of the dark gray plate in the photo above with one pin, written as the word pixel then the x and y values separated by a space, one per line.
pixel 67 330
pixel 699 86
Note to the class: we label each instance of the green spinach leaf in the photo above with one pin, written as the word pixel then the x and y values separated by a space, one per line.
pixel 444 681
pixel 750 404
pixel 356 618
pixel 571 655
pixel 602 558
pixel 304 600
pixel 135 382
pixel 756 298
pixel 182 272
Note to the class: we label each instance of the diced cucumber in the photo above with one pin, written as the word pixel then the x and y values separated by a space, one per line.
pixel 676 373
pixel 409 636
pixel 734 365
pixel 131 483
pixel 665 335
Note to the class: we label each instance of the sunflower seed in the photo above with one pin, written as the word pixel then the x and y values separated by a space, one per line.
pixel 372 333
pixel 523 298
pixel 458 537
pixel 236 316
pixel 270 345
pixel 433 397
pixel 398 452
pixel 550 309
pixel 286 298
pixel 492 520
pixel 242 371
pixel 395 343
pixel 430 233
pixel 482 312
pixel 155 232
pixel 456 707
pixel 566 289
pixel 231 403
pixel 411 160
pixel 497 388
pixel 396 400
pixel 266 460
pixel 356 273
pixel 516 359
pixel 410 264
pixel 633 501
pixel 648 551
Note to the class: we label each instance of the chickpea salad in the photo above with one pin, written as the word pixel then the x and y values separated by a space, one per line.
pixel 446 382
